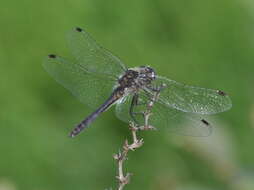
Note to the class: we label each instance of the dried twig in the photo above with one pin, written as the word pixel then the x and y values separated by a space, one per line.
pixel 122 155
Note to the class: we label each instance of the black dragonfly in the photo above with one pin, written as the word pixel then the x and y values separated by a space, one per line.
pixel 99 80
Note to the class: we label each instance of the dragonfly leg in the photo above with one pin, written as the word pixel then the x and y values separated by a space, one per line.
pixel 134 102
pixel 147 112
pixel 156 89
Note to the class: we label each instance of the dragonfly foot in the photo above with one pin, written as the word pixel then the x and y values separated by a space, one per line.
pixel 147 128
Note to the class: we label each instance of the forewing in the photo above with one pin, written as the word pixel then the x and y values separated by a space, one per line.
pixel 192 99
pixel 92 56
pixel 89 88
pixel 164 117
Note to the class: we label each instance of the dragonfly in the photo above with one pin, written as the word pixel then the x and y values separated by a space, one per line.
pixel 100 80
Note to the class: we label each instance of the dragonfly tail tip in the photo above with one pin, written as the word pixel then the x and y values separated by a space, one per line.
pixel 72 135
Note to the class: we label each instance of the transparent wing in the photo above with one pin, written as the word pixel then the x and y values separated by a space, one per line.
pixel 192 99
pixel 164 117
pixel 89 88
pixel 92 56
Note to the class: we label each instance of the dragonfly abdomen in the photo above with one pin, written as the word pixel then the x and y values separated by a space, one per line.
pixel 116 95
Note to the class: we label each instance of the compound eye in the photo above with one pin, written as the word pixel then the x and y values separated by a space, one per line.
pixel 147 70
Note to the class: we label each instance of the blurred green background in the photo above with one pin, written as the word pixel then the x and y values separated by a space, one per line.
pixel 202 43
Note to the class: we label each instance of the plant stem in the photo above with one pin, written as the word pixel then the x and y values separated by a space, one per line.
pixel 122 155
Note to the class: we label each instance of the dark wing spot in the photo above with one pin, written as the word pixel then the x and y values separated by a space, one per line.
pixel 52 56
pixel 79 29
pixel 221 93
pixel 205 122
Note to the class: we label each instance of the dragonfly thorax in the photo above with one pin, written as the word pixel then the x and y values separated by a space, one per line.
pixel 137 77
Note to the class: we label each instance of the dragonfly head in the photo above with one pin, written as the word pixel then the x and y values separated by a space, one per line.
pixel 147 72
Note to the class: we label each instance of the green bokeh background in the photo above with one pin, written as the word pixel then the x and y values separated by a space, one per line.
pixel 199 42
